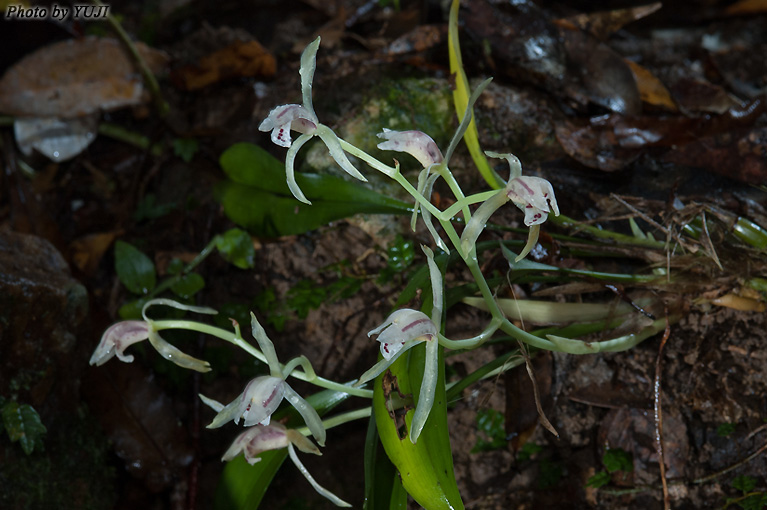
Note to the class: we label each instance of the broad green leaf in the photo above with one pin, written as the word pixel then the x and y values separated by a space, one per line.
pixel 188 285
pixel 426 468
pixel 22 423
pixel 134 269
pixel 383 486
pixel 236 247
pixel 185 148
pixel 257 196
pixel 132 309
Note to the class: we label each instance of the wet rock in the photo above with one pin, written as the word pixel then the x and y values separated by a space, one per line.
pixel 41 320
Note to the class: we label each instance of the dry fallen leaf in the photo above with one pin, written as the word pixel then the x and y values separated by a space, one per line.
pixel 651 89
pixel 237 60
pixel 74 78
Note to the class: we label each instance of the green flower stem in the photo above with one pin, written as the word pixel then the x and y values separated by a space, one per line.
pixel 241 343
pixel 466 201
pixel 367 158
pixel 335 421
pixel 473 342
pixel 446 174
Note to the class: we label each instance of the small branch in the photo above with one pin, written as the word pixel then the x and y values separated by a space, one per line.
pixel 659 415
pixel 149 78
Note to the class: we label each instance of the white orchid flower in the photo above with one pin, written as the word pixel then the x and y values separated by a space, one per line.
pixel 261 438
pixel 303 119
pixel 423 148
pixel 123 334
pixel 404 329
pixel 533 195
pixel 263 395
pixel 416 143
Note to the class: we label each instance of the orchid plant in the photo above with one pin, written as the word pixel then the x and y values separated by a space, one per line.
pixel 403 331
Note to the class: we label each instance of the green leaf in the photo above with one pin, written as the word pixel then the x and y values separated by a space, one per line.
pixel 491 423
pixel 401 254
pixel 188 285
pixel 134 269
pixel 132 309
pixel 461 100
pixel 22 423
pixel 149 209
pixel 185 148
pixel 383 486
pixel 754 502
pixel 598 480
pixel 236 247
pixel 426 468
pixel 257 196
pixel 528 450
pixel 305 296
pixel 725 429
pixel 744 483
pixel 549 474
pixel 617 459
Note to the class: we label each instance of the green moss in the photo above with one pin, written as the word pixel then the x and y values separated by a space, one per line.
pixel 72 472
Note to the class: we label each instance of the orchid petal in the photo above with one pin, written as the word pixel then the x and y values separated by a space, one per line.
pixel 428 389
pixel 337 153
pixel 176 305
pixel 285 117
pixel 308 66
pixel 480 218
pixel 256 440
pixel 308 413
pixel 173 354
pixel 416 143
pixel 213 404
pixel 532 240
pixel 515 166
pixel 290 172
pixel 319 488
pixel 383 364
pixel 302 443
pixel 267 347
pixel 262 396
pixel 116 339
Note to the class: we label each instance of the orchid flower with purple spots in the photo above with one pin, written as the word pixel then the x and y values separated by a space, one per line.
pixel 533 195
pixel 123 334
pixel 263 395
pixel 404 329
pixel 303 119
pixel 261 438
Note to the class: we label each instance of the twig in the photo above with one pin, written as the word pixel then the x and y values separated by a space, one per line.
pixel 149 78
pixel 659 415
